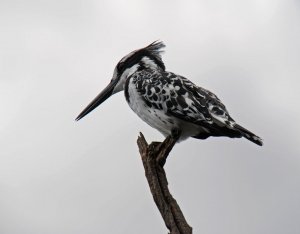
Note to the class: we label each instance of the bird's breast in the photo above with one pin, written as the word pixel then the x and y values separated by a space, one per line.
pixel 156 118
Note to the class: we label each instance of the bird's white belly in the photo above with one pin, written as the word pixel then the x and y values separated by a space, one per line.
pixel 157 118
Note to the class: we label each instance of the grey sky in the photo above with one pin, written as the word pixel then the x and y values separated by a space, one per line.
pixel 66 177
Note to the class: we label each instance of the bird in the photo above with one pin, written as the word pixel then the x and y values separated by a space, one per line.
pixel 169 102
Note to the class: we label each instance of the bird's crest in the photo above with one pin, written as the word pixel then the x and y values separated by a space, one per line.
pixel 155 49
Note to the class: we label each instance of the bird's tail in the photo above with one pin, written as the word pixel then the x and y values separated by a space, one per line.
pixel 249 135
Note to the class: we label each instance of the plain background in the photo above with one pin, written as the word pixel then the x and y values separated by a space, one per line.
pixel 66 177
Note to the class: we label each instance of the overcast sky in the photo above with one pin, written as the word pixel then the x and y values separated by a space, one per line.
pixel 66 177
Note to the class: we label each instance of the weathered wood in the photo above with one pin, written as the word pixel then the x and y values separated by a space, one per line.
pixel 154 157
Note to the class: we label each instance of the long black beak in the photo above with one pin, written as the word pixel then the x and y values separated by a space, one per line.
pixel 106 93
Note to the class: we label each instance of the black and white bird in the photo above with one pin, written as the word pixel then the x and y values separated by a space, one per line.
pixel 169 102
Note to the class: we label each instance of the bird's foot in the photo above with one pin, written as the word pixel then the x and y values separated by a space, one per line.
pixel 166 146
pixel 175 133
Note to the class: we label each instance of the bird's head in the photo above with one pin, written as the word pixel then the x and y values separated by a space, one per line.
pixel 147 57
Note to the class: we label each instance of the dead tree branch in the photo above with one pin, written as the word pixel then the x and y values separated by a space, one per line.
pixel 154 157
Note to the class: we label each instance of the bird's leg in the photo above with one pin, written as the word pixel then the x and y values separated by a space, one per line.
pixel 155 143
pixel 166 146
pixel 176 133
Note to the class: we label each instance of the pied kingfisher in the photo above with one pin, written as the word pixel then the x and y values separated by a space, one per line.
pixel 167 101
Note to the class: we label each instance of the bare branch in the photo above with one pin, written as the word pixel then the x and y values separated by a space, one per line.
pixel 154 157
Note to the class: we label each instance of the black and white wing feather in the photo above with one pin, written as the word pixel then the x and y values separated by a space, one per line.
pixel 180 98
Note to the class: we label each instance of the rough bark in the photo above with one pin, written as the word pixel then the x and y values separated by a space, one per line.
pixel 154 157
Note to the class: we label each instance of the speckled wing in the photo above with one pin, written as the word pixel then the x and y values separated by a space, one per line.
pixel 180 98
